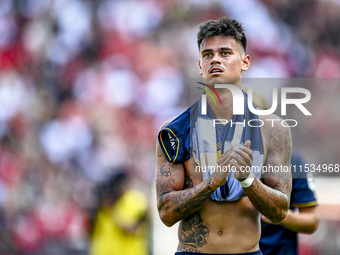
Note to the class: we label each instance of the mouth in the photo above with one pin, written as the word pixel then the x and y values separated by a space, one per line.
pixel 215 70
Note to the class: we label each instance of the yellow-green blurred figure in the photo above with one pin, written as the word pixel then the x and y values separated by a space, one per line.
pixel 119 226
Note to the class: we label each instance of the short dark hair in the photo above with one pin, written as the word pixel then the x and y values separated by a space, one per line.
pixel 226 27
pixel 112 184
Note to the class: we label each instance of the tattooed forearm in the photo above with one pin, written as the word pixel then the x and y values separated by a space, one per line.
pixel 271 203
pixel 272 199
pixel 177 198
pixel 174 206
pixel 188 201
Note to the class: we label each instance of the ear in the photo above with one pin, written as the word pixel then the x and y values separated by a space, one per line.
pixel 200 67
pixel 245 63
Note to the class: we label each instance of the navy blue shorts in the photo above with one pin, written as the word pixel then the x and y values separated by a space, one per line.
pixel 247 253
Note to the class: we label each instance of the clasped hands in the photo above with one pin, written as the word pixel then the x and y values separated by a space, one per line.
pixel 240 157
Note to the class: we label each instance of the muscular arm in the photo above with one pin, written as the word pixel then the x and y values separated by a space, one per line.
pixel 174 203
pixel 271 198
pixel 176 197
pixel 305 221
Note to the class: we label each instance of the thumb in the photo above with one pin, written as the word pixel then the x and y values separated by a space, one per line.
pixel 247 144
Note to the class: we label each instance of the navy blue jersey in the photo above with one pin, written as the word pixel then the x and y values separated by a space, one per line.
pixel 275 239
pixel 202 137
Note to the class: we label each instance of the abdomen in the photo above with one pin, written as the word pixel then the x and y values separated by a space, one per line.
pixel 221 227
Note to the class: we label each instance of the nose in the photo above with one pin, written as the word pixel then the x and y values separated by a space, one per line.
pixel 215 60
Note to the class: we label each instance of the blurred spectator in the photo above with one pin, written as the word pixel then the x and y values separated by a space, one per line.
pixel 119 225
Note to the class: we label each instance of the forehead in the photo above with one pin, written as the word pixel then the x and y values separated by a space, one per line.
pixel 220 41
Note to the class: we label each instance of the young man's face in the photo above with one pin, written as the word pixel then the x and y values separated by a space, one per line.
pixel 222 60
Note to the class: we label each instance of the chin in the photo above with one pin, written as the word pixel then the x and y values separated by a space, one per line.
pixel 221 80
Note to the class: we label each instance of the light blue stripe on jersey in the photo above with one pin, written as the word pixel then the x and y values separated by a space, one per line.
pixel 232 190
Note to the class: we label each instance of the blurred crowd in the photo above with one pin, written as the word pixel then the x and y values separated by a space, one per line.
pixel 86 84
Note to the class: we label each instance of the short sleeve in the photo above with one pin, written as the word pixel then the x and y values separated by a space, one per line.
pixel 174 139
pixel 303 185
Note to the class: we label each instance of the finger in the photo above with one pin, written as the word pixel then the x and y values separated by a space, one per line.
pixel 246 150
pixel 241 173
pixel 227 153
pixel 241 167
pixel 238 165
pixel 234 163
pixel 247 158
pixel 224 161
pixel 247 144
pixel 230 150
pixel 240 160
pixel 223 157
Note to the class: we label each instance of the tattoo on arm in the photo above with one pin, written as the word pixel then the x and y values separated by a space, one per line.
pixel 272 199
pixel 281 146
pixel 175 205
pixel 178 199
pixel 165 171
pixel 281 143
pixel 188 183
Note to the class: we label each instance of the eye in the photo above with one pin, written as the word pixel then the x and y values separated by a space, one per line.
pixel 207 55
pixel 225 53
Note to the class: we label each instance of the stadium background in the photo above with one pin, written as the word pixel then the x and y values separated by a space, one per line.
pixel 85 85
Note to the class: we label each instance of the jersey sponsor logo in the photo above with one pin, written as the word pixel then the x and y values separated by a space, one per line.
pixel 172 141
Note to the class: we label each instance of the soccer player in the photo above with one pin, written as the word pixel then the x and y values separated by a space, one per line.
pixel 219 210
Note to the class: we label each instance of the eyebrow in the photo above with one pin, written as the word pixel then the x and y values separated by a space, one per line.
pixel 219 49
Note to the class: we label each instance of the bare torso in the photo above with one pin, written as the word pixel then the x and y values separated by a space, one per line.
pixel 220 227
